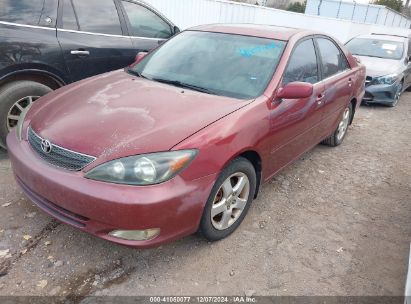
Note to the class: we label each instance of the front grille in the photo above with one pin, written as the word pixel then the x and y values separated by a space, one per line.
pixel 59 156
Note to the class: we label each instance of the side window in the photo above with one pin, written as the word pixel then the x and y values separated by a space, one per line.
pixel 409 47
pixel 29 12
pixel 333 60
pixel 145 23
pixel 69 17
pixel 98 16
pixel 302 65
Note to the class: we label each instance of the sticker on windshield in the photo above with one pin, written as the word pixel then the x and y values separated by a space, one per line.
pixel 389 47
pixel 249 52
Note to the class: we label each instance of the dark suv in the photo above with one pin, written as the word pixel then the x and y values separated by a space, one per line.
pixel 45 44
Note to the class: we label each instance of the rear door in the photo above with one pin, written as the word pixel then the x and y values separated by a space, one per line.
pixel 93 37
pixel 146 28
pixel 338 79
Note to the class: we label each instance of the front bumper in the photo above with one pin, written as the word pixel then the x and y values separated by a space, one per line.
pixel 381 93
pixel 99 208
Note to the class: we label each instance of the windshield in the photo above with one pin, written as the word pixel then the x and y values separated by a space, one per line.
pixel 221 64
pixel 376 48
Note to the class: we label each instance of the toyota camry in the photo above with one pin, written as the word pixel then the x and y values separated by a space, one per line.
pixel 181 141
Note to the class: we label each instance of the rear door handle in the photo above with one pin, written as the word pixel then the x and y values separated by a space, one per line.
pixel 80 53
pixel 320 98
pixel 349 82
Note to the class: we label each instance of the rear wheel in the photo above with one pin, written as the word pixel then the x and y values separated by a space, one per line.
pixel 229 200
pixel 339 134
pixel 14 98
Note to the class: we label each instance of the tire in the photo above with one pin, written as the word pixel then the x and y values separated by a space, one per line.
pixel 337 138
pixel 397 96
pixel 214 228
pixel 13 97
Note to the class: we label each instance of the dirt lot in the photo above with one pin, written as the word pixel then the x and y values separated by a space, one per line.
pixel 337 222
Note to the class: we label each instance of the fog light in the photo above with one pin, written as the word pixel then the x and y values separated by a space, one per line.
pixel 135 235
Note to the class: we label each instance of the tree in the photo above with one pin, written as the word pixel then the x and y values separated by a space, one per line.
pixel 297 7
pixel 396 5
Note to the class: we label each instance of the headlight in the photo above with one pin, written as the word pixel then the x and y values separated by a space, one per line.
pixel 147 169
pixel 387 79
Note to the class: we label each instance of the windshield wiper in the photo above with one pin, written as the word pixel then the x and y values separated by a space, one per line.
pixel 185 85
pixel 136 73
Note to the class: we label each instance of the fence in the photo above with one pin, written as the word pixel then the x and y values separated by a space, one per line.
pixel 188 13
pixel 365 13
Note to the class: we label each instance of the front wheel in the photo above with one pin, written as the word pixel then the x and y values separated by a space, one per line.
pixel 229 200
pixel 14 98
pixel 397 96
pixel 339 134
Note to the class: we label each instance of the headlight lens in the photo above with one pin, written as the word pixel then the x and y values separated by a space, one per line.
pixel 140 170
pixel 387 79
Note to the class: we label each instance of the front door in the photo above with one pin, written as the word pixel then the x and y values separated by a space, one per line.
pixel 294 123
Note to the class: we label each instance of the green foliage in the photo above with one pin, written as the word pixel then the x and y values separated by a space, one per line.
pixel 297 7
pixel 396 5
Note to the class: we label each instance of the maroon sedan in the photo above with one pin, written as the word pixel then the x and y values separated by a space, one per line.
pixel 181 141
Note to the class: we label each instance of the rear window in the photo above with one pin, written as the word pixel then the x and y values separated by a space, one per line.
pixel 29 12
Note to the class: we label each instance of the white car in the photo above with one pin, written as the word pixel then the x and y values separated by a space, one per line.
pixel 388 62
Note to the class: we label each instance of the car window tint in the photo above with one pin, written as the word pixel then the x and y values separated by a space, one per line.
pixel 69 18
pixel 98 16
pixel 333 60
pixel 29 12
pixel 145 23
pixel 302 65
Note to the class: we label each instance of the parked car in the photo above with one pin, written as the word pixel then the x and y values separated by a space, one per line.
pixel 45 44
pixel 182 141
pixel 388 62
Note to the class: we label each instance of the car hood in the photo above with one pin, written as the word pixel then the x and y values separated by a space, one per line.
pixel 116 115
pixel 379 66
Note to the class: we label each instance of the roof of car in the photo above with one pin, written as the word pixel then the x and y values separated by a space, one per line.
pixel 258 30
pixel 383 37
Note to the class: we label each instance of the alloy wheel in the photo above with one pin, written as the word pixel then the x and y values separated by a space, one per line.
pixel 230 201
pixel 17 108
pixel 397 95
pixel 343 126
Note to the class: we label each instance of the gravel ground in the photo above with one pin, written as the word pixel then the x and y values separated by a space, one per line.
pixel 337 222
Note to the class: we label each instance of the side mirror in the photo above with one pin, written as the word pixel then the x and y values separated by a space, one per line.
pixel 357 59
pixel 295 90
pixel 140 57
pixel 176 30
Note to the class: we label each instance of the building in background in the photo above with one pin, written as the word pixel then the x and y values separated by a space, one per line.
pixel 358 12
pixel 280 4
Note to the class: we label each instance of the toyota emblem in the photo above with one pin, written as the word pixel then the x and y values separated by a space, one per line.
pixel 46 146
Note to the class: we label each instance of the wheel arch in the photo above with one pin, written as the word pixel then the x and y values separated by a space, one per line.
pixel 255 159
pixel 44 77
pixel 354 108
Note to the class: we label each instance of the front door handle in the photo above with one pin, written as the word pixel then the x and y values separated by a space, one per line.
pixel 80 53
pixel 349 82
